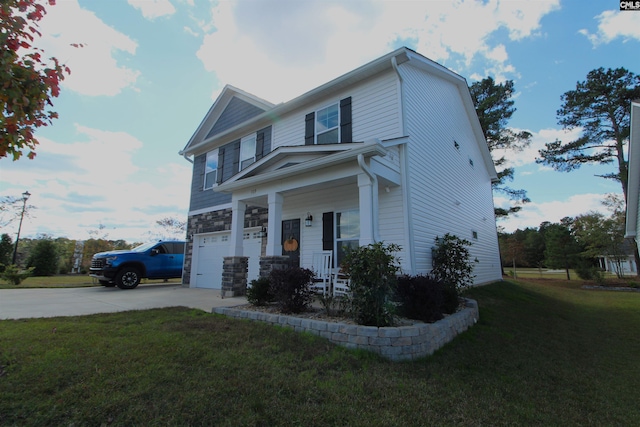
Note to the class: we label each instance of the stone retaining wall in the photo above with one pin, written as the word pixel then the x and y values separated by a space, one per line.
pixel 394 343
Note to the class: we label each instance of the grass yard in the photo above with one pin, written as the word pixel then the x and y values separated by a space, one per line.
pixel 64 281
pixel 544 352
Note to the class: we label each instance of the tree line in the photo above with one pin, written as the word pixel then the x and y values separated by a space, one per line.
pixel 577 243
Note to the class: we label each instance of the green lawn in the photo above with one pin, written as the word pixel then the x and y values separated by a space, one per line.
pixel 542 353
pixel 64 281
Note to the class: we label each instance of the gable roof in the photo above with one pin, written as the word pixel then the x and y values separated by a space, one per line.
pixel 633 179
pixel 390 61
pixel 232 107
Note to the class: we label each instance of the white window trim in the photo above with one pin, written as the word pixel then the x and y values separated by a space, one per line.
pixel 315 124
pixel 244 140
pixel 215 183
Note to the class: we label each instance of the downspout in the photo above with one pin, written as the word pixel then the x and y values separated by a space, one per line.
pixel 374 195
pixel 404 165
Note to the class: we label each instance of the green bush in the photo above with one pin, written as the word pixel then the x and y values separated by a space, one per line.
pixel 451 262
pixel 372 270
pixel 291 289
pixel 421 297
pixel 260 292
pixel 14 275
pixel 44 258
pixel 451 298
pixel 587 271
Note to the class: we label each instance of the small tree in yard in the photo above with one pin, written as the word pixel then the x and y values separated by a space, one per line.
pixel 451 262
pixel 15 275
pixel 44 258
pixel 372 270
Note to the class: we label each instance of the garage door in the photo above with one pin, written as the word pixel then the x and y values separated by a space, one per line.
pixel 209 251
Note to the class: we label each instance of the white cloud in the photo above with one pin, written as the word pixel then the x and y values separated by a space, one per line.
pixel 538 139
pixel 274 50
pixel 97 179
pixel 152 9
pixel 532 214
pixel 614 24
pixel 94 69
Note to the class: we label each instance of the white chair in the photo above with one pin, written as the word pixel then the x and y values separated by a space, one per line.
pixel 341 284
pixel 322 265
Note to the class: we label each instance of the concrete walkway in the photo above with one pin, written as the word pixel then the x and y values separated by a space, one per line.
pixel 31 303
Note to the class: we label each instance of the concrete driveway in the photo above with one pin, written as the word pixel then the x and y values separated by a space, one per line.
pixel 30 303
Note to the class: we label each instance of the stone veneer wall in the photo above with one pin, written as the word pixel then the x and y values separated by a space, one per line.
pixel 394 343
pixel 219 220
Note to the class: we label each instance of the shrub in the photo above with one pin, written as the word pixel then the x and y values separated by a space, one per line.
pixel 14 275
pixel 372 270
pixel 290 288
pixel 421 297
pixel 587 271
pixel 451 297
pixel 451 264
pixel 44 258
pixel 260 292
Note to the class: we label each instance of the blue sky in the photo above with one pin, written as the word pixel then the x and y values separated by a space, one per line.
pixel 150 69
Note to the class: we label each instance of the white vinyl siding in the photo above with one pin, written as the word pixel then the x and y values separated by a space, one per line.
pixel 375 113
pixel 448 195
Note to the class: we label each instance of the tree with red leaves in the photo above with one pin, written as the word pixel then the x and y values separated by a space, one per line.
pixel 27 81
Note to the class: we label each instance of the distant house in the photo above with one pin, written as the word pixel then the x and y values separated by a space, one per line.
pixel 392 151
pixel 621 264
pixel 633 187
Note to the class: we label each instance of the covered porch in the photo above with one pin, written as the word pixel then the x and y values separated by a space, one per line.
pixel 319 198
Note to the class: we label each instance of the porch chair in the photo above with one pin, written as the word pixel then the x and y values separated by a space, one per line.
pixel 322 265
pixel 341 284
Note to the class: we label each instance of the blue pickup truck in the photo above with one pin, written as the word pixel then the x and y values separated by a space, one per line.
pixel 157 260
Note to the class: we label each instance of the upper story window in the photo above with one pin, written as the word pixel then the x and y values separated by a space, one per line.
pixel 211 169
pixel 327 122
pixel 329 125
pixel 247 150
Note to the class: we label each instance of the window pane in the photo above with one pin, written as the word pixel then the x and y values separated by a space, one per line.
pixel 348 225
pixel 343 246
pixel 210 179
pixel 211 169
pixel 327 118
pixel 330 137
pixel 248 148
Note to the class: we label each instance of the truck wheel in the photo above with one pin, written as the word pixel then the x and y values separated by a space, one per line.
pixel 128 278
pixel 107 284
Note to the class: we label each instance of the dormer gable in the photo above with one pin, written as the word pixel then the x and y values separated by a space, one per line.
pixel 232 108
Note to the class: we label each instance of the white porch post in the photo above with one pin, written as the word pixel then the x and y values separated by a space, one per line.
pixel 367 206
pixel 274 228
pixel 238 209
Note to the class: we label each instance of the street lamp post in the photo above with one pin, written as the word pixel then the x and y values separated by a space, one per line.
pixel 25 197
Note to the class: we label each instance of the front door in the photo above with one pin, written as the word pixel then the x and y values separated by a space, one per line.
pixel 291 241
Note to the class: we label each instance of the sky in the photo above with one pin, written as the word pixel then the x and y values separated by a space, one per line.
pixel 149 70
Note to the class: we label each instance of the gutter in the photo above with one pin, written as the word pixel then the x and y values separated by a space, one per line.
pixel 185 157
pixel 374 195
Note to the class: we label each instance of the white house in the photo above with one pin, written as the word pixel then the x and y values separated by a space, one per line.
pixel 633 186
pixel 392 151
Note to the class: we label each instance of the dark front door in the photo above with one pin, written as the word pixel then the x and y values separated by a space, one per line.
pixel 291 241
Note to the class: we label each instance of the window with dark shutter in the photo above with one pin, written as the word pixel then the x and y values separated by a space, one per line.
pixel 345 120
pixel 329 125
pixel 309 130
pixel 221 167
pixel 327 231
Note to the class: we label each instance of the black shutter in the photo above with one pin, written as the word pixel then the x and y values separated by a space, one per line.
pixel 309 128
pixel 345 120
pixel 236 157
pixel 327 231
pixel 259 144
pixel 220 165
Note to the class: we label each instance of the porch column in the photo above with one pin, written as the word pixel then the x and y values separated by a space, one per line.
pixel 274 228
pixel 367 207
pixel 238 209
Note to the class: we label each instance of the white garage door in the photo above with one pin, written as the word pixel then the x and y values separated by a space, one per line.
pixel 209 251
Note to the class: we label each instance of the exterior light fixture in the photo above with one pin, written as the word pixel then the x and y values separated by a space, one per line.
pixel 308 220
